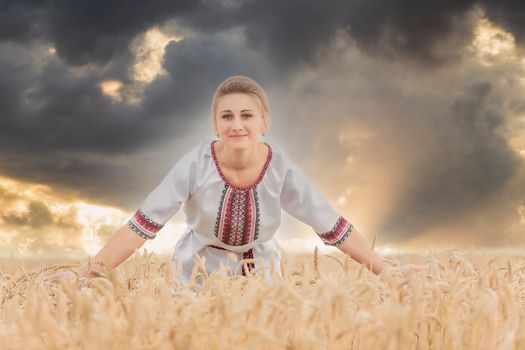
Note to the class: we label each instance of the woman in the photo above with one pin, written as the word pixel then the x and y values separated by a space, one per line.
pixel 232 191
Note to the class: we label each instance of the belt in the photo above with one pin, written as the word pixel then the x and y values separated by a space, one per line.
pixel 246 255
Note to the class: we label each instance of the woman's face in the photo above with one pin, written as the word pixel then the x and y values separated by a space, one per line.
pixel 239 120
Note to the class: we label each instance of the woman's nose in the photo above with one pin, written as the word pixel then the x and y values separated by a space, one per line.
pixel 237 124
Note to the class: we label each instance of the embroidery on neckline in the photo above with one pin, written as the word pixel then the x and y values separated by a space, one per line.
pixel 241 188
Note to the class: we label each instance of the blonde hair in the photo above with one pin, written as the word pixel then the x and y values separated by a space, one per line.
pixel 240 84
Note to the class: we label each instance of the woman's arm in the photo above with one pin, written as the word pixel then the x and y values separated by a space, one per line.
pixel 360 250
pixel 119 247
pixel 161 204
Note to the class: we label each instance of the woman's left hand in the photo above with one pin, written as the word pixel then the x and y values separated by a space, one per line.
pixel 408 269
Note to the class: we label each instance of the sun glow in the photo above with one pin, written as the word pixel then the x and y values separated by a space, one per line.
pixel 74 223
pixel 112 89
pixel 148 50
pixel 148 58
pixel 491 41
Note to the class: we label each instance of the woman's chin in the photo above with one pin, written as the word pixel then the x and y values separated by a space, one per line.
pixel 241 142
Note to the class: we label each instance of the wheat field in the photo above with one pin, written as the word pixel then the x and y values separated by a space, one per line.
pixel 468 299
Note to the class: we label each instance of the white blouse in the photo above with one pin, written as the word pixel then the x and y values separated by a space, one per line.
pixel 223 218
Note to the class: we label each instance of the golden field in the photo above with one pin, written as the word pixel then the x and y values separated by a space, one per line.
pixel 471 299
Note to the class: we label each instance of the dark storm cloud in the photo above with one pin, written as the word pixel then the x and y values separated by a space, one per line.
pixel 196 66
pixel 71 113
pixel 427 32
pixel 411 29
pixel 84 31
pixel 288 32
pixel 477 164
pixel 23 21
pixel 295 32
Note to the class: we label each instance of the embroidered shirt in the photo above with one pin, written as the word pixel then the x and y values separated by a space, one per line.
pixel 234 218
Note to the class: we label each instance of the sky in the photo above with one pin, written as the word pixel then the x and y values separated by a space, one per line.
pixel 409 116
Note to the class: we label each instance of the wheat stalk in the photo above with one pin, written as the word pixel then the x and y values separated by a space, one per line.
pixel 316 263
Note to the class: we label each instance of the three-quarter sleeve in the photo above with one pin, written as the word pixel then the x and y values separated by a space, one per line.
pixel 301 199
pixel 166 199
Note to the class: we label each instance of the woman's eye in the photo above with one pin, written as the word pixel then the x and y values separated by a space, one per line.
pixel 248 115
pixel 226 116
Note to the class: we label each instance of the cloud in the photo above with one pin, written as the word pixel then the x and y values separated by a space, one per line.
pixel 85 32
pixel 288 32
pixel 295 34
pixel 474 165
pixel 412 153
pixel 31 224
pixel 37 219
pixel 509 15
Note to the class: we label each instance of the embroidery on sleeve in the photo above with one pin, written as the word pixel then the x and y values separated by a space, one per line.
pixel 143 225
pixel 338 234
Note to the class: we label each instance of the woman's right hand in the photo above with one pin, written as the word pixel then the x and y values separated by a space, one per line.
pixel 85 271
pixel 61 276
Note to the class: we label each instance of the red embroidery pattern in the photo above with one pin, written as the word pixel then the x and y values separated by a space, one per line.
pixel 238 217
pixel 251 266
pixel 143 225
pixel 338 234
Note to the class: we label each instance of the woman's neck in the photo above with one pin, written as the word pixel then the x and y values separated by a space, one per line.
pixel 237 159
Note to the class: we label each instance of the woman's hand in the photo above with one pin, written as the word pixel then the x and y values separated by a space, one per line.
pixel 408 269
pixel 405 271
pixel 62 277
pixel 84 271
